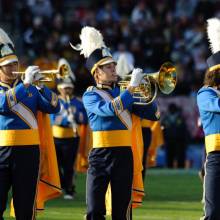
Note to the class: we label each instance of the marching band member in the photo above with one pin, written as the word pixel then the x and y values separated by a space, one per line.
pixel 209 107
pixel 19 136
pixel 109 113
pixel 66 134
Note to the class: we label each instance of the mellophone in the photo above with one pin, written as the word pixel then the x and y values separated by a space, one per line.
pixel 146 92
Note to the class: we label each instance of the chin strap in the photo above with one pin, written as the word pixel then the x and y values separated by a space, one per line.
pixel 105 86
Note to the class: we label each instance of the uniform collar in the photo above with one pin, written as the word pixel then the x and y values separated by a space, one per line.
pixel 8 85
pixel 105 87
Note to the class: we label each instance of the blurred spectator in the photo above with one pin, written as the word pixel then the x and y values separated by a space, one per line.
pixel 107 13
pixel 185 8
pixel 40 8
pixel 138 53
pixel 176 136
pixel 141 13
pixel 122 49
pixel 125 7
pixel 125 30
pixel 7 8
pixel 34 37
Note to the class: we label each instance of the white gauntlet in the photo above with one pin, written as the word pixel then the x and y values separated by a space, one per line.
pixel 30 73
pixel 136 77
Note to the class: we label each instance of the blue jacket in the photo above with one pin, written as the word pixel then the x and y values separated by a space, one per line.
pixel 18 112
pixel 110 118
pixel 209 108
pixel 62 127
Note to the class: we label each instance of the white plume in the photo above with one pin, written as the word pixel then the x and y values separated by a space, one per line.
pixel 4 38
pixel 213 32
pixel 91 39
pixel 123 66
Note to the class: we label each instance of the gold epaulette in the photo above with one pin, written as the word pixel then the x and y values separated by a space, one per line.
pixel 90 88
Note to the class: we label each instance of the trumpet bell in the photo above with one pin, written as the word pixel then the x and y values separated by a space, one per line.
pixel 64 71
pixel 167 78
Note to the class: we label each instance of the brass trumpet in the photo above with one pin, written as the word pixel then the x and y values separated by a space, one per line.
pixel 146 92
pixel 49 75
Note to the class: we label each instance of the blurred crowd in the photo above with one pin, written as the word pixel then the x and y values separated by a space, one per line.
pixel 149 32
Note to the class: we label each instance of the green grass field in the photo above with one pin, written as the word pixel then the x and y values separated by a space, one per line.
pixel 170 195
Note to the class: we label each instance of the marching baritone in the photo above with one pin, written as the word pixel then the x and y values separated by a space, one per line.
pixel 66 134
pixel 109 113
pixel 209 108
pixel 19 136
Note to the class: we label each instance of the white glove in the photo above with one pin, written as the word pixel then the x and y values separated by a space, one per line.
pixel 30 74
pixel 38 76
pixel 136 77
pixel 70 118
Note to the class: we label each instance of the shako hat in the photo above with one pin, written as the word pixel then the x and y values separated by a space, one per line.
pixel 7 51
pixel 65 83
pixel 93 48
pixel 213 32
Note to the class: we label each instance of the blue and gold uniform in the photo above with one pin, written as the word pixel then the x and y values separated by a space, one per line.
pixel 110 160
pixel 19 143
pixel 18 109
pixel 110 118
pixel 208 101
pixel 66 139
pixel 209 108
pixel 106 119
pixel 62 127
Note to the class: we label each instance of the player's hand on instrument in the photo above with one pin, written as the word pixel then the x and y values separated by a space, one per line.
pixel 38 76
pixel 30 74
pixel 136 77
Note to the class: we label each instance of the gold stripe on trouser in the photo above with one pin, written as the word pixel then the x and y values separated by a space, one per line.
pixel 203 195
pixel 113 138
pixel 212 142
pixel 128 213
pixel 61 132
pixel 19 137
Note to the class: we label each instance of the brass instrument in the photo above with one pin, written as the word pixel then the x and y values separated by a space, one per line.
pixel 146 92
pixel 62 72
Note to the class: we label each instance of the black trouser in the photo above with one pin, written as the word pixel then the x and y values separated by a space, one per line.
pixel 109 165
pixel 211 186
pixel 20 171
pixel 66 149
pixel 176 150
pixel 146 132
